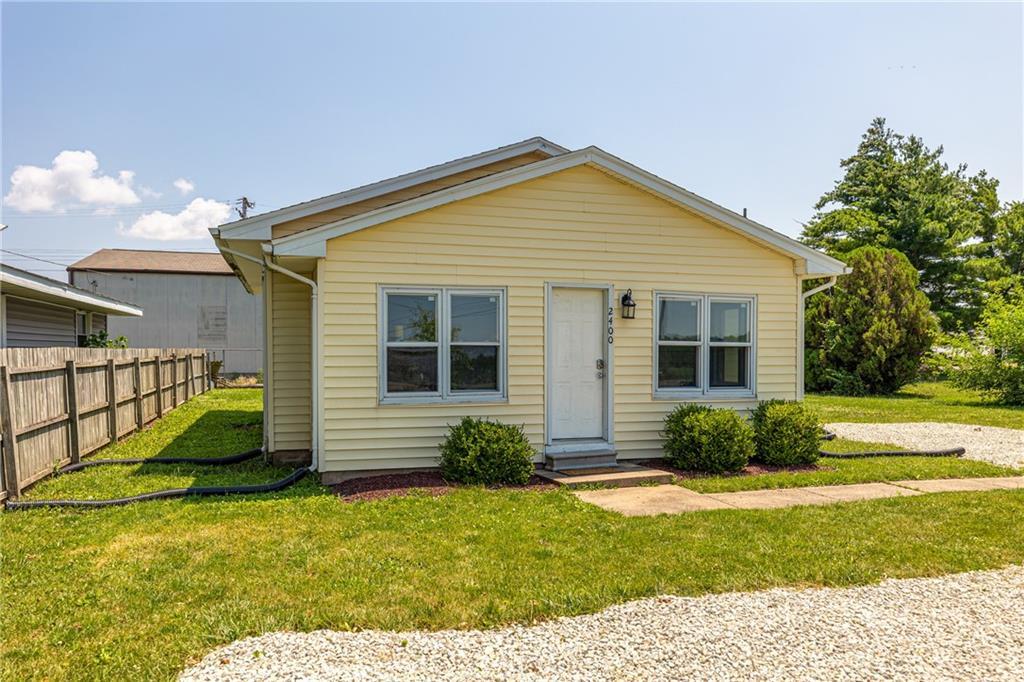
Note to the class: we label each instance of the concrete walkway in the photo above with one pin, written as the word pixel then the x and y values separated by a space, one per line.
pixel 673 499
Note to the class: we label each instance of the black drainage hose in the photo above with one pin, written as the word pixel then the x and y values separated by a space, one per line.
pixel 211 461
pixel 274 486
pixel 947 452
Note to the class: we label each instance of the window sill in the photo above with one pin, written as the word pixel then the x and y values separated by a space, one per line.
pixel 438 400
pixel 700 397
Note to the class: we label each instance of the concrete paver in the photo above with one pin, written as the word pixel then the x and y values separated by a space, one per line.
pixel 673 499
pixel 860 491
pixel 770 499
pixel 950 485
pixel 650 500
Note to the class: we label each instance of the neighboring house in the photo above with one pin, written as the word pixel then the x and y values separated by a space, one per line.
pixel 39 312
pixel 192 300
pixel 493 286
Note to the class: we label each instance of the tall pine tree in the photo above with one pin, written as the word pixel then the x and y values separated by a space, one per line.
pixel 897 193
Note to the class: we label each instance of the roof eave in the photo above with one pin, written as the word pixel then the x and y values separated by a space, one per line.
pixel 67 294
pixel 313 242
pixel 259 227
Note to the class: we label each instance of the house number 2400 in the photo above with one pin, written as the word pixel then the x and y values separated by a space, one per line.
pixel 611 325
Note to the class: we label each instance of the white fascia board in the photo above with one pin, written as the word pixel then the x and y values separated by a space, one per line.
pixel 73 297
pixel 259 227
pixel 313 242
pixel 815 259
pixel 300 243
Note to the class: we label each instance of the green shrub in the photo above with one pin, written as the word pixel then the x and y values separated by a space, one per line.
pixel 698 438
pixel 867 335
pixel 482 451
pixel 786 433
pixel 993 361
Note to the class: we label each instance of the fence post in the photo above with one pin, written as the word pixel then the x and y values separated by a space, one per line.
pixel 12 477
pixel 190 375
pixel 112 396
pixel 71 379
pixel 139 418
pixel 159 388
pixel 174 378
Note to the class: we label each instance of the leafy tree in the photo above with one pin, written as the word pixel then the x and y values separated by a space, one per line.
pixel 993 360
pixel 897 193
pixel 869 332
pixel 101 340
pixel 1009 244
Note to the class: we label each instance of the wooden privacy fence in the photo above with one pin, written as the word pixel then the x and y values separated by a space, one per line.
pixel 59 404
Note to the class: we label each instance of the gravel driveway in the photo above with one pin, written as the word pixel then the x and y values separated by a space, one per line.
pixel 985 443
pixel 964 626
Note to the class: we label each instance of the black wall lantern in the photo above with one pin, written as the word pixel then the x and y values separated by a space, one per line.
pixel 628 305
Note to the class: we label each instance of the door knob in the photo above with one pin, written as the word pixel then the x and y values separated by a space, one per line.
pixel 600 363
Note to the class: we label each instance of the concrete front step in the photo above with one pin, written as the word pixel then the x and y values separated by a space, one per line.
pixel 618 476
pixel 601 458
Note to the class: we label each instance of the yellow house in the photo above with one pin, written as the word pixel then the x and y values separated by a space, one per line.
pixel 567 291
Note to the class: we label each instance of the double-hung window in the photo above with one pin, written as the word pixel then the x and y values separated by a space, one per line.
pixel 442 344
pixel 704 345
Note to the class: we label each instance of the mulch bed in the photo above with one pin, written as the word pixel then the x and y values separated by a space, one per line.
pixel 420 482
pixel 749 470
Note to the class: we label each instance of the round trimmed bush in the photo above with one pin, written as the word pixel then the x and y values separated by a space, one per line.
pixel 487 452
pixel 698 438
pixel 786 433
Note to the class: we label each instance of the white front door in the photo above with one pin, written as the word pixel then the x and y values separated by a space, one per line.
pixel 578 371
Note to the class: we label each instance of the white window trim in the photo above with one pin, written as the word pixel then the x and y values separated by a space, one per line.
pixel 704 391
pixel 444 394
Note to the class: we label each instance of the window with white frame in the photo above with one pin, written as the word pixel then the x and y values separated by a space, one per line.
pixel 442 344
pixel 703 344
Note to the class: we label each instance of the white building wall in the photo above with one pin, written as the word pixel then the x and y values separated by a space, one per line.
pixel 186 310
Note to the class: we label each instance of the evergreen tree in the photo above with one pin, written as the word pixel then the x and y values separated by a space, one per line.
pixel 870 331
pixel 897 193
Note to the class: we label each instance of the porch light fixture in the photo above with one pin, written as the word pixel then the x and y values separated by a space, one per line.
pixel 628 305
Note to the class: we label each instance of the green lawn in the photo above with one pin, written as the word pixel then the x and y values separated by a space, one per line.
pixel 923 402
pixel 219 423
pixel 141 591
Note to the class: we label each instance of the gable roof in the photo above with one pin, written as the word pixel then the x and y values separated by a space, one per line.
pixel 312 242
pixel 25 284
pixel 259 226
pixel 140 260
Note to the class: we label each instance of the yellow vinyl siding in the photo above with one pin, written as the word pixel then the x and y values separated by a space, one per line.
pixel 578 225
pixel 308 222
pixel 290 363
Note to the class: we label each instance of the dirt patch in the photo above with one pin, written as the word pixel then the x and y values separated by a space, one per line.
pixel 753 469
pixel 422 482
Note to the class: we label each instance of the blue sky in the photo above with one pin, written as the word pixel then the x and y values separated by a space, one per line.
pixel 750 105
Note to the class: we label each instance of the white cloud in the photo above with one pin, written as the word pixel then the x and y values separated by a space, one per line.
pixel 191 223
pixel 150 193
pixel 72 180
pixel 184 186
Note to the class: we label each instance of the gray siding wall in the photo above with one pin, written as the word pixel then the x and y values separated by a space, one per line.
pixel 185 311
pixel 31 324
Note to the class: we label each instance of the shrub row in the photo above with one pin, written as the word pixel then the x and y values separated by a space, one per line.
pixel 697 438
pixel 780 433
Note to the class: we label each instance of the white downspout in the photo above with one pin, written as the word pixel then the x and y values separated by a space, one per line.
pixel 800 333
pixel 266 340
pixel 314 365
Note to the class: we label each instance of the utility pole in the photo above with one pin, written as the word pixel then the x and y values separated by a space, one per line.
pixel 242 207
